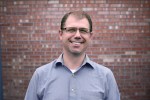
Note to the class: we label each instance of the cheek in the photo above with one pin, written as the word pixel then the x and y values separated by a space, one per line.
pixel 65 40
pixel 88 40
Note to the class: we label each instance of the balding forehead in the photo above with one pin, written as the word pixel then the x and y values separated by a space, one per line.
pixel 78 15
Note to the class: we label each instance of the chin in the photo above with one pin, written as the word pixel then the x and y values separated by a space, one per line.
pixel 77 53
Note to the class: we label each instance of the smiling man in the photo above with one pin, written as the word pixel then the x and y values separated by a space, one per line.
pixel 73 76
pixel 75 35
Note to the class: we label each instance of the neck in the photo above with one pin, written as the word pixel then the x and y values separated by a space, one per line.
pixel 73 61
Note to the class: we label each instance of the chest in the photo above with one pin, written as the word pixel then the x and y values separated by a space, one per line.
pixel 79 86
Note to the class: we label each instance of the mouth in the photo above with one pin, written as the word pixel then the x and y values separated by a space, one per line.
pixel 76 42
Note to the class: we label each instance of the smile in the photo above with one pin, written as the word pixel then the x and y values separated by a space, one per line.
pixel 76 42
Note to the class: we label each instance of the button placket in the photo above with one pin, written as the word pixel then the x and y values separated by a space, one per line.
pixel 73 87
pixel 73 74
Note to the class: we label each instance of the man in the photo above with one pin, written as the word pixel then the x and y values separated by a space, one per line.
pixel 73 76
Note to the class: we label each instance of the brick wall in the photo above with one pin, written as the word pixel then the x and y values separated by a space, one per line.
pixel 29 39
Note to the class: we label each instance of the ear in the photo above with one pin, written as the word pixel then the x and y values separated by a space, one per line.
pixel 91 35
pixel 60 34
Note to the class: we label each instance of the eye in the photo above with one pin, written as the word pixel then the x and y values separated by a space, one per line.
pixel 82 30
pixel 71 30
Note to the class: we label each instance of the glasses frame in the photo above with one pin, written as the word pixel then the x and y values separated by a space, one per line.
pixel 73 30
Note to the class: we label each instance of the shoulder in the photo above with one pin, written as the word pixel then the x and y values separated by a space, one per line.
pixel 44 70
pixel 102 70
pixel 104 73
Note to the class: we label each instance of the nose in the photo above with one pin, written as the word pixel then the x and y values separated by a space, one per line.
pixel 77 34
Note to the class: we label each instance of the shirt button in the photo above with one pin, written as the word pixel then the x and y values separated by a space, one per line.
pixel 73 75
pixel 73 90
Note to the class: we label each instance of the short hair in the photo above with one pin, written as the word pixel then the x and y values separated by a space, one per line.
pixel 78 15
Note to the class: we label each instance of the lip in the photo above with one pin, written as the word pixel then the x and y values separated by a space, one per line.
pixel 77 42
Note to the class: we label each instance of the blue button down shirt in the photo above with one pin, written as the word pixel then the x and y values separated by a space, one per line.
pixel 54 81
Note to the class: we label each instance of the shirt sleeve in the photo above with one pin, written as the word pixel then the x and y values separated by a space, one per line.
pixel 31 93
pixel 112 88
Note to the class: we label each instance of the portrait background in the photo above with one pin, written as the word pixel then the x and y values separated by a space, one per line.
pixel 29 38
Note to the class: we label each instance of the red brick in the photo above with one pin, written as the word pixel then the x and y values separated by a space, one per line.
pixel 29 39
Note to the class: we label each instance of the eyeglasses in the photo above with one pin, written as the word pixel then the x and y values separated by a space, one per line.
pixel 73 30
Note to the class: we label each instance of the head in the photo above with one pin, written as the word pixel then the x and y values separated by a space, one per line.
pixel 75 32
pixel 78 15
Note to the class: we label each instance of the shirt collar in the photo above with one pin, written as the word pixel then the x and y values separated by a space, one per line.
pixel 59 60
pixel 86 61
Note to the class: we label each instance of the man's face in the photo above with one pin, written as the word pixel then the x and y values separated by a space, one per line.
pixel 75 41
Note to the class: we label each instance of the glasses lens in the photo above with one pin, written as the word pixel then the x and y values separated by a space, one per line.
pixel 74 30
pixel 83 30
pixel 71 30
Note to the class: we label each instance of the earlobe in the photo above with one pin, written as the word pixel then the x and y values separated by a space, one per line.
pixel 91 35
pixel 60 34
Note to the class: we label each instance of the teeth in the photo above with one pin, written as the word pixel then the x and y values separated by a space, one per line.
pixel 76 43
